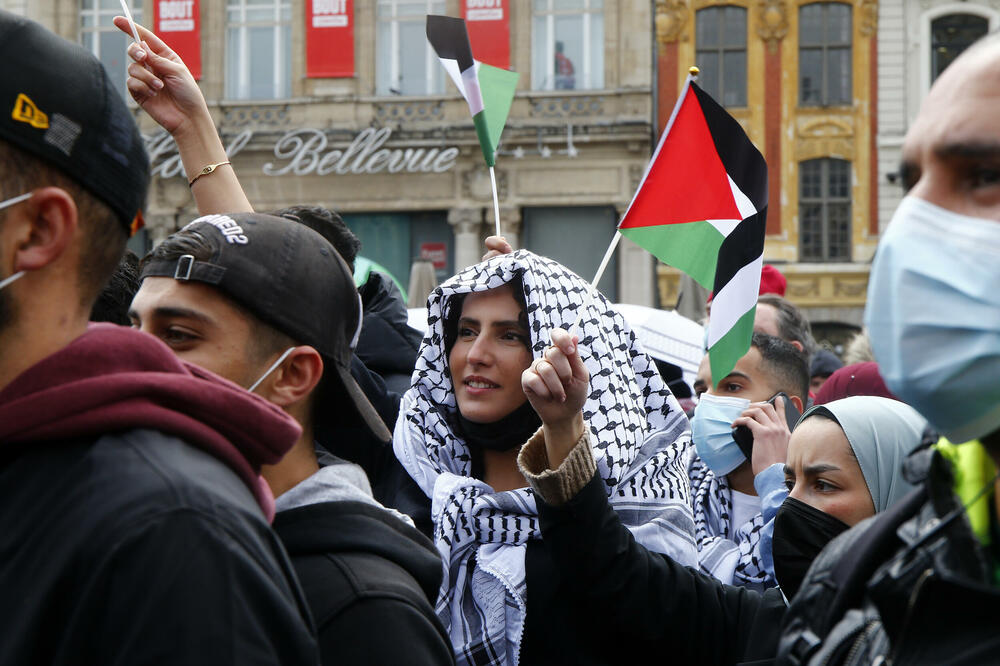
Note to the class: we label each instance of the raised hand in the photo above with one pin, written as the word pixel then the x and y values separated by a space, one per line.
pixel 161 83
pixel 495 246
pixel 557 386
pixel 770 433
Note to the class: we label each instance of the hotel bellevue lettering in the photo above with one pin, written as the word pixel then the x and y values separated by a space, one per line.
pixel 308 151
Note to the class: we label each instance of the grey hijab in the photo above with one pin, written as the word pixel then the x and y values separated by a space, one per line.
pixel 882 432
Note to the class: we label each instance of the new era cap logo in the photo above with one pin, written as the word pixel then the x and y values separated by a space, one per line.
pixel 25 111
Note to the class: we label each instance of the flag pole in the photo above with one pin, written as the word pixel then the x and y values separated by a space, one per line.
pixel 692 76
pixel 496 202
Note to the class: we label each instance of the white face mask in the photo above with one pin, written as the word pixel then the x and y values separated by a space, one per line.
pixel 274 366
pixel 4 204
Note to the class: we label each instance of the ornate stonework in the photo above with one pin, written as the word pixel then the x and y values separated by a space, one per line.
pixel 476 184
pixel 671 17
pixel 868 17
pixel 773 25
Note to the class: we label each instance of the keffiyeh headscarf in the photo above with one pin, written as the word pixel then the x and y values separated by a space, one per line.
pixel 482 535
pixel 728 552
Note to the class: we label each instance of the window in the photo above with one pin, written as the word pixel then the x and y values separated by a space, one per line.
pixel 405 63
pixel 567 44
pixel 99 35
pixel 258 49
pixel 721 41
pixel 825 210
pixel 825 54
pixel 952 34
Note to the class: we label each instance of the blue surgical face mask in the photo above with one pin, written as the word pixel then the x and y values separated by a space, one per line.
pixel 712 432
pixel 933 315
pixel 4 204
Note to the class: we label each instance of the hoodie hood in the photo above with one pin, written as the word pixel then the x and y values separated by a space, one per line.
pixel 354 526
pixel 114 379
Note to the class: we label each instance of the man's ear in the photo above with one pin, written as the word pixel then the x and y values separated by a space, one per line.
pixel 798 345
pixel 297 376
pixel 43 228
pixel 797 401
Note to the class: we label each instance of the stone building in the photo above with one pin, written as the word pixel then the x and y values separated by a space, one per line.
pixel 365 121
pixel 801 76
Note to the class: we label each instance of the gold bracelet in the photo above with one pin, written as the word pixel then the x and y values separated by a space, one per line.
pixel 207 170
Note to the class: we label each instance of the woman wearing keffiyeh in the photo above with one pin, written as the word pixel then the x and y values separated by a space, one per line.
pixel 461 427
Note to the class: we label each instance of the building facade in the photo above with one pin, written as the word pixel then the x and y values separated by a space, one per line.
pixel 368 124
pixel 801 77
pixel 917 39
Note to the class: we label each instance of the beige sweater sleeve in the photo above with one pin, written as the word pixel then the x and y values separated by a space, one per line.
pixel 557 486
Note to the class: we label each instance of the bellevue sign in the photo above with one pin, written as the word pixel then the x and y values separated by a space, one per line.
pixel 307 151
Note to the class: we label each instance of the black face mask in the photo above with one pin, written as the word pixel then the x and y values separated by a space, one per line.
pixel 511 431
pixel 800 532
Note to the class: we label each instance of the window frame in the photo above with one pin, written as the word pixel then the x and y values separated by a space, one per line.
pixel 587 12
pixel 721 51
pixel 280 89
pixel 824 48
pixel 825 201
pixel 434 83
pixel 102 24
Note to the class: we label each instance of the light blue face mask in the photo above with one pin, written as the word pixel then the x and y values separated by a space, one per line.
pixel 4 204
pixel 712 432
pixel 933 314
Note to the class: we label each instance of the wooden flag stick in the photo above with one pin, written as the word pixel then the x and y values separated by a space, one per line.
pixel 496 201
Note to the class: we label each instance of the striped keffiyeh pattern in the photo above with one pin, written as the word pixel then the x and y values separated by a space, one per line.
pixel 638 432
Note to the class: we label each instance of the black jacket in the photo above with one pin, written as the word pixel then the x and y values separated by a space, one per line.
pixel 139 549
pixel 926 596
pixel 368 578
pixel 387 344
pixel 620 603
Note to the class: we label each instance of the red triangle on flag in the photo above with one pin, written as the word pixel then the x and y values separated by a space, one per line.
pixel 687 181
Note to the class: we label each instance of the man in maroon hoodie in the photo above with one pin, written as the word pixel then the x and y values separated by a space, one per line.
pixel 133 519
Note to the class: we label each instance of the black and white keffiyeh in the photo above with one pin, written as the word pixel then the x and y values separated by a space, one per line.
pixel 638 432
pixel 728 552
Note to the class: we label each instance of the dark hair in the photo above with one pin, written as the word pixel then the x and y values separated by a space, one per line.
pixel 114 300
pixel 785 363
pixel 792 324
pixel 265 339
pixel 453 312
pixel 103 235
pixel 329 225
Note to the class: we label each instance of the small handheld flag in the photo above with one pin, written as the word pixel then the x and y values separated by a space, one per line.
pixel 489 91
pixel 702 207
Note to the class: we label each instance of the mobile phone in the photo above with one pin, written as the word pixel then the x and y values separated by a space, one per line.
pixel 744 436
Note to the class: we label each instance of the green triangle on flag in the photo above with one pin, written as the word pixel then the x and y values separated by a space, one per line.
pixel 488 90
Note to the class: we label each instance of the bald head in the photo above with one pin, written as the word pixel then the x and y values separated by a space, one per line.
pixel 952 149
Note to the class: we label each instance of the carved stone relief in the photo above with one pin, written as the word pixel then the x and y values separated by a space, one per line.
pixel 671 17
pixel 773 22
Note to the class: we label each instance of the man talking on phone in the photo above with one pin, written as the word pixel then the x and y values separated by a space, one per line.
pixel 735 496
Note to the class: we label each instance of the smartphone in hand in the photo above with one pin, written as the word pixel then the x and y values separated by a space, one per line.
pixel 744 436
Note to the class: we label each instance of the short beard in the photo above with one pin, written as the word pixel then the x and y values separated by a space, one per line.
pixel 7 310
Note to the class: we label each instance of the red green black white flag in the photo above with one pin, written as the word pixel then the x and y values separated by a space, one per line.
pixel 488 90
pixel 702 208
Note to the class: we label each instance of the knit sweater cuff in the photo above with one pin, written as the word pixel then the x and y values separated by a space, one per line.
pixel 560 485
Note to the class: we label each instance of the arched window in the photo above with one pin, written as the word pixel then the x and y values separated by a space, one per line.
pixel 721 53
pixel 825 54
pixel 825 210
pixel 950 35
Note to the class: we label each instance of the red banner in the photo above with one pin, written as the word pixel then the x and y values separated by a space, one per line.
pixel 178 23
pixel 329 38
pixel 488 23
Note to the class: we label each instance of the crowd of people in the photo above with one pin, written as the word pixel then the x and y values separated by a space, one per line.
pixel 251 461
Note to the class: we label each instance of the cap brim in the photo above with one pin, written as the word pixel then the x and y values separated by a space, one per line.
pixel 374 422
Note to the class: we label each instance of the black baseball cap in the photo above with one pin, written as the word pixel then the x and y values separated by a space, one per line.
pixel 289 277
pixel 58 104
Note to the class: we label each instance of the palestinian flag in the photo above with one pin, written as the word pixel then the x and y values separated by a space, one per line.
pixel 488 90
pixel 702 208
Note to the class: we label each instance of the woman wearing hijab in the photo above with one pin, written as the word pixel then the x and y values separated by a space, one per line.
pixel 839 471
pixel 464 420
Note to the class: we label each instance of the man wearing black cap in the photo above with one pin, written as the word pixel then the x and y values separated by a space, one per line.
pixel 269 304
pixel 133 520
